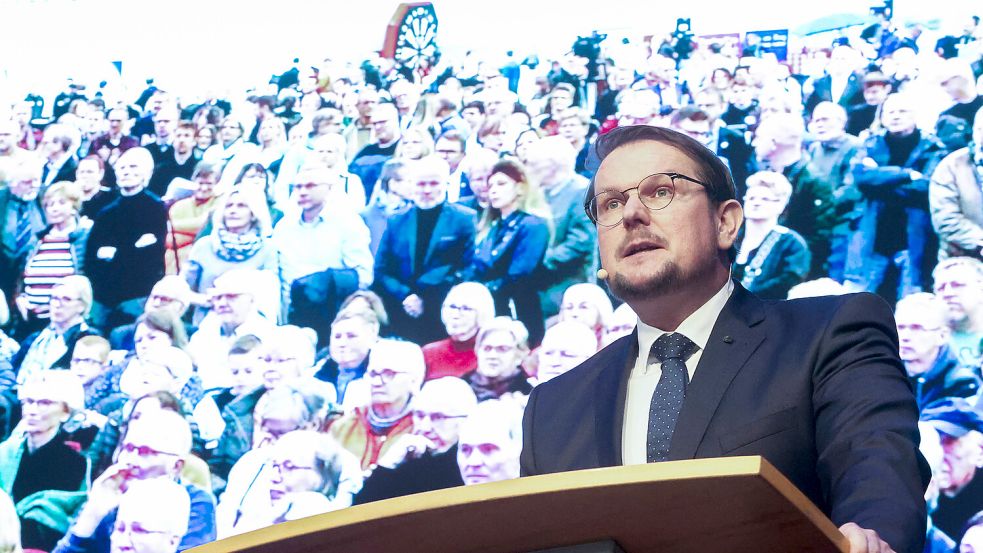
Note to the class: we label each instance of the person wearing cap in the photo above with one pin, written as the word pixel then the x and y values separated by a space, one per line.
pixel 40 454
pixel 933 368
pixel 155 446
pixel 234 314
pixel 960 427
pixel 956 198
pixel 863 119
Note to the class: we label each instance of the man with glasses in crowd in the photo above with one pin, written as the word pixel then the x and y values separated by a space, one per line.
pixel 368 162
pixel 958 281
pixel 51 347
pixel 815 386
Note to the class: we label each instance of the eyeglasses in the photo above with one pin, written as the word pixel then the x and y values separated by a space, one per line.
pixel 144 450
pixel 44 403
pixel 307 186
pixel 86 361
pixel 289 466
pixel 386 375
pixel 62 299
pixel 654 191
pixel 459 308
pixel 435 418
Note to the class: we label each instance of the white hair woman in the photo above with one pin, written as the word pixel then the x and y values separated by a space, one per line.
pixel 467 307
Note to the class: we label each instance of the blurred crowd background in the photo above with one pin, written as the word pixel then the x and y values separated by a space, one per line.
pixel 244 287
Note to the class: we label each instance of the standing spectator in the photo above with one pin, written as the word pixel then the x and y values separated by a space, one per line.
pixel 341 235
pixel 58 253
pixel 328 152
pixel 165 121
pixel 892 175
pixel 116 140
pixel 368 162
pixel 865 119
pixel 22 218
pixel 125 253
pixel 956 198
pixel 571 256
pixel 10 153
pixel 477 167
pixel 932 366
pixel 178 162
pixel 359 133
pixel 832 154
pixel 58 147
pixel 51 348
pixel 240 238
pixel 422 253
pixel 513 237
pixel 91 179
pixel 958 281
pixel 187 216
pixel 393 194
pixel 771 258
pixel 501 347
pixel 842 82
pixel 490 442
pixel 954 126
pixel 467 307
pixel 450 147
pixel 811 210
pixel 574 126
pixel 395 375
pixel 425 459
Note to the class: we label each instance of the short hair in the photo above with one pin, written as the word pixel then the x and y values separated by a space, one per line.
pixel 409 354
pixel 505 324
pixel 484 303
pixel 689 113
pixel 82 287
pixel 455 136
pixel 498 413
pixel 489 126
pixel 837 109
pixel 430 163
pixel 166 321
pixel 566 87
pixel 169 497
pixel 374 301
pixel 97 343
pixel 245 344
pixel 475 104
pixel 58 385
pixel 927 304
pixel 776 182
pixel 207 168
pixel 63 135
pixel 597 296
pixel 66 190
pixel 95 158
pixel 257 206
pixel 975 266
pixel 369 318
pixel 580 114
pixel 305 405
pixel 301 342
pixel 143 158
pixel 187 126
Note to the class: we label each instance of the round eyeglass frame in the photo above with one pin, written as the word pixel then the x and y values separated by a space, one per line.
pixel 590 205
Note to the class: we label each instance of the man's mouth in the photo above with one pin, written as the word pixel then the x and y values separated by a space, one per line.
pixel 639 247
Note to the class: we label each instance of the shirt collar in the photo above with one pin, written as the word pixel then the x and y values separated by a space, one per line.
pixel 696 327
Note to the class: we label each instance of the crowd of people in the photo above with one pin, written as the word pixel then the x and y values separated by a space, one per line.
pixel 342 286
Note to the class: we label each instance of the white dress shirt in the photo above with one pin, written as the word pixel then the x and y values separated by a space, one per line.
pixel 645 377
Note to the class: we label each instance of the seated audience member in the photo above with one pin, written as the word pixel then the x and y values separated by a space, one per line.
pixel 154 446
pixel 394 376
pixel 234 314
pixel 187 216
pixel 57 253
pixel 164 369
pixel 972 540
pixel 247 380
pixel 959 282
pixel 955 201
pixel 501 346
pixel 932 367
pixel 51 348
pixel 467 307
pixel 513 236
pixel 353 334
pixel 304 469
pixel 171 293
pixel 587 304
pixel 292 406
pixel 819 287
pixel 422 252
pixel 89 363
pixel 426 459
pixel 152 517
pixel 564 347
pixel 490 442
pixel 240 239
pixel 771 258
pixel 622 323
pixel 9 525
pixel 961 430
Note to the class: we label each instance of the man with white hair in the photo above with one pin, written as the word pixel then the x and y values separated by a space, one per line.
pixel 565 345
pixel 892 174
pixel 234 314
pixel 932 366
pixel 395 375
pixel 10 153
pixel 152 518
pixel 490 443
pixel 467 307
pixel 571 256
pixel 421 252
pixel 58 147
pixel 125 253
pixel 154 447
pixel 21 219
pixel 426 459
pixel 171 292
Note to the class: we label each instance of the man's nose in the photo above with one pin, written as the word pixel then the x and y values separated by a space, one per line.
pixel 635 212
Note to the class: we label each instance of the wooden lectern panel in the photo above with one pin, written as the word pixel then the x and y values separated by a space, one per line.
pixel 733 505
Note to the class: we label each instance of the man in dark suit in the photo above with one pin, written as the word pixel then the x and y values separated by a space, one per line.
pixel 815 386
pixel 842 83
pixel 58 147
pixel 421 253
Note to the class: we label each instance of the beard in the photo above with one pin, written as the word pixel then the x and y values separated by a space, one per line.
pixel 665 280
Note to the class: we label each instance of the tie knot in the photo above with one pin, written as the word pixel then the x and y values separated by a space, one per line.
pixel 671 346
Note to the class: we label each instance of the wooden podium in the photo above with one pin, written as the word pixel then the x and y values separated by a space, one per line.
pixel 733 505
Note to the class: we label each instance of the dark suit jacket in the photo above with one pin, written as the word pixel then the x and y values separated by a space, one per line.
pixel 814 385
pixel 448 252
pixel 316 298
pixel 852 95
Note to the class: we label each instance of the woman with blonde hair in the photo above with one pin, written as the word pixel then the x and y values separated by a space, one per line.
pixel 417 143
pixel 513 235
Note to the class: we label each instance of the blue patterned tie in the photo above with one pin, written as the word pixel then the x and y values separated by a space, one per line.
pixel 23 230
pixel 672 350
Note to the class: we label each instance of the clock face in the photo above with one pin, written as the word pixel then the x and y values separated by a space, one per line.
pixel 417 38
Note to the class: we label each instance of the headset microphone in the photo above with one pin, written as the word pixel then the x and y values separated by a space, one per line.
pixel 602 274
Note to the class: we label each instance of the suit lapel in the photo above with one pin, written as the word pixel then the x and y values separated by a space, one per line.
pixel 609 400
pixel 441 228
pixel 410 238
pixel 735 336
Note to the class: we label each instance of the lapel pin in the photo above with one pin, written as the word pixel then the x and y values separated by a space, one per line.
pixel 728 340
